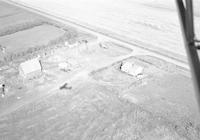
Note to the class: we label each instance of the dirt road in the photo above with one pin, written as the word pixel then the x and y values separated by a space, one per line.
pixel 151 24
pixel 101 101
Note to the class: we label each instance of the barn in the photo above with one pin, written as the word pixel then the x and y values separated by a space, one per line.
pixel 30 69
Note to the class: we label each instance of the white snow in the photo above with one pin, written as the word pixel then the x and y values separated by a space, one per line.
pixel 70 64
pixel 64 66
pixel 152 24
pixel 132 69
pixel 30 67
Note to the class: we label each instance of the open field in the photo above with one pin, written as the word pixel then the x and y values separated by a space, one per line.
pixel 174 102
pixel 85 113
pixel 36 36
pixel 151 24
pixel 100 108
pixel 81 92
pixel 17 23
pixel 104 103
pixel 23 32
pixel 7 9
pixel 15 19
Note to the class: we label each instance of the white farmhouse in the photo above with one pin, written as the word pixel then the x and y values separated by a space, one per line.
pixel 131 68
pixel 30 69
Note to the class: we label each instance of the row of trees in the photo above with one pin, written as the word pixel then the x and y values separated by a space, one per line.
pixel 20 27
pixel 33 51
pixel 70 34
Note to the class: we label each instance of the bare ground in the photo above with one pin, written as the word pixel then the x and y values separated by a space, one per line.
pixel 109 104
pixel 91 111
pixel 104 103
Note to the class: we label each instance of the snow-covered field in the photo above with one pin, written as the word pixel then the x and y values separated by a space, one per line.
pixel 82 91
pixel 23 40
pixel 151 24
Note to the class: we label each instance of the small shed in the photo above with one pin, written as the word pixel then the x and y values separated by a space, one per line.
pixel 30 69
pixel 132 69
pixel 69 65
pixel 71 43
pixel 64 66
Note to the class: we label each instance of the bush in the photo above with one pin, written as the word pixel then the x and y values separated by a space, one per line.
pixel 69 35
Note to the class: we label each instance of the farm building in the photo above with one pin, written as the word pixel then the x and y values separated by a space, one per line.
pixel 30 69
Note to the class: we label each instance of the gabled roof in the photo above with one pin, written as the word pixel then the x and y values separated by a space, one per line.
pixel 30 66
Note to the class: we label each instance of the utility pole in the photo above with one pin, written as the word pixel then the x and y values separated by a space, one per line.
pixel 185 9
